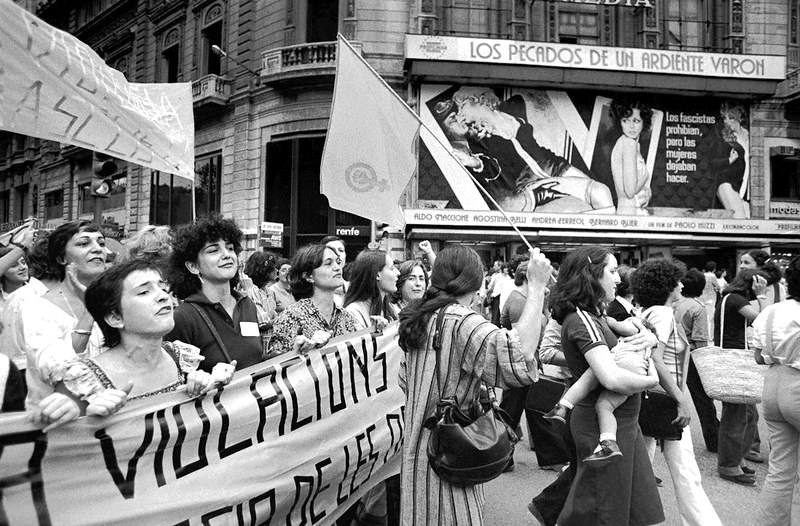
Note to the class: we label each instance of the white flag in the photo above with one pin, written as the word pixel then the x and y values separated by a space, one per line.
pixel 55 87
pixel 370 152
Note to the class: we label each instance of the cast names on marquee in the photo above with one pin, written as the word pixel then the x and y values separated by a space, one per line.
pixel 665 224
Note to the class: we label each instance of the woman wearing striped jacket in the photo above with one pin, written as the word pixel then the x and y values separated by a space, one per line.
pixel 473 352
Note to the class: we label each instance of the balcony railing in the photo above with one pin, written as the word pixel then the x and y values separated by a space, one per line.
pixel 294 63
pixel 211 89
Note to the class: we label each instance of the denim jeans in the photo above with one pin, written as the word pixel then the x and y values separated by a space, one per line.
pixel 693 503
pixel 736 430
pixel 781 410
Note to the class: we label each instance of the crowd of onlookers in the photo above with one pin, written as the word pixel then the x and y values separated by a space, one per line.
pixel 86 330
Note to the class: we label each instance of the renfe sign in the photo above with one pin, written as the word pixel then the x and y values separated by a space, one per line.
pixel 637 60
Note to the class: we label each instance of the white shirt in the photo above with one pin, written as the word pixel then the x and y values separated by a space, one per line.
pixel 784 336
pixel 41 332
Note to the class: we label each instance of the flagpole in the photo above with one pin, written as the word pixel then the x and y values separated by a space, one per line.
pixel 447 148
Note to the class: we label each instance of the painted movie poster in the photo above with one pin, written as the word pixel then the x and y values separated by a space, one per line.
pixel 584 152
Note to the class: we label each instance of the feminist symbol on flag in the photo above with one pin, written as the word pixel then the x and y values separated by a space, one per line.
pixel 361 177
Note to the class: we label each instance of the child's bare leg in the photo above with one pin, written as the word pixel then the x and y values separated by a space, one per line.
pixel 580 389
pixel 576 392
pixel 606 403
pixel 607 449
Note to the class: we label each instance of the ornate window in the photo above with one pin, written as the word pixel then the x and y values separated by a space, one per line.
pixel 170 56
pixel 211 35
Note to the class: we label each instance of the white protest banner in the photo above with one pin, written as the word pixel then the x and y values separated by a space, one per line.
pixel 56 87
pixel 287 442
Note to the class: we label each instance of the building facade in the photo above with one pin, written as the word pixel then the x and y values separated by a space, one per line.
pixel 262 75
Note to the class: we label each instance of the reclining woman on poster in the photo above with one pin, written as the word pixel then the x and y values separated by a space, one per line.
pixel 133 309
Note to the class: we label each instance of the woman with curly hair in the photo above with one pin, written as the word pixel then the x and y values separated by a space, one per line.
pixel 623 492
pixel 656 287
pixel 628 167
pixel 204 273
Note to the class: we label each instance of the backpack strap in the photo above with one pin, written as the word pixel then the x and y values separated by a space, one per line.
pixel 213 330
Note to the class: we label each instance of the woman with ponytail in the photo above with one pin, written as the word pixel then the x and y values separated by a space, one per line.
pixel 473 353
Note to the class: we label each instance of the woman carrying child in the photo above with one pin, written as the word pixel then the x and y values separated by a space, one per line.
pixel 623 492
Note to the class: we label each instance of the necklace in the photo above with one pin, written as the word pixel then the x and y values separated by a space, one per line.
pixel 66 301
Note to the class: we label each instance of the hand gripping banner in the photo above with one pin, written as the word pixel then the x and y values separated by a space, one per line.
pixel 289 441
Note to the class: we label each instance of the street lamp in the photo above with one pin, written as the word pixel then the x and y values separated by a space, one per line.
pixel 221 53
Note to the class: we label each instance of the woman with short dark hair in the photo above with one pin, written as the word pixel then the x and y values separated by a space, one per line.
pixel 131 305
pixel 690 310
pixel 55 325
pixel 309 323
pixel 411 283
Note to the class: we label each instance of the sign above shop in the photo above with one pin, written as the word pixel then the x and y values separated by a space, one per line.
pixel 271 235
pixel 352 231
pixel 636 60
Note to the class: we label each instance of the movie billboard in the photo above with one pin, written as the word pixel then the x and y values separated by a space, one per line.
pixel 577 152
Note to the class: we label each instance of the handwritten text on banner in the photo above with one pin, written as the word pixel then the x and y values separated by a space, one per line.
pixel 56 87
pixel 287 442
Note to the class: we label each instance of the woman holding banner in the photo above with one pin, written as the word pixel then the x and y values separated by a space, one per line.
pixel 315 277
pixel 473 353
pixel 54 326
pixel 133 309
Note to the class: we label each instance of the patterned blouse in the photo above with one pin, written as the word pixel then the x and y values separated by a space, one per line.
pixel 84 377
pixel 305 316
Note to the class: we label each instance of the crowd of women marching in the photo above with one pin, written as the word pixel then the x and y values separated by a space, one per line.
pixel 85 330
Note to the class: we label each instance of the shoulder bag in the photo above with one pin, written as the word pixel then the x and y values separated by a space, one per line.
pixel 729 375
pixel 466 449
pixel 659 409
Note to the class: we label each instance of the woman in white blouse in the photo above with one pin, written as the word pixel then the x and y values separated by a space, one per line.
pixel 776 341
